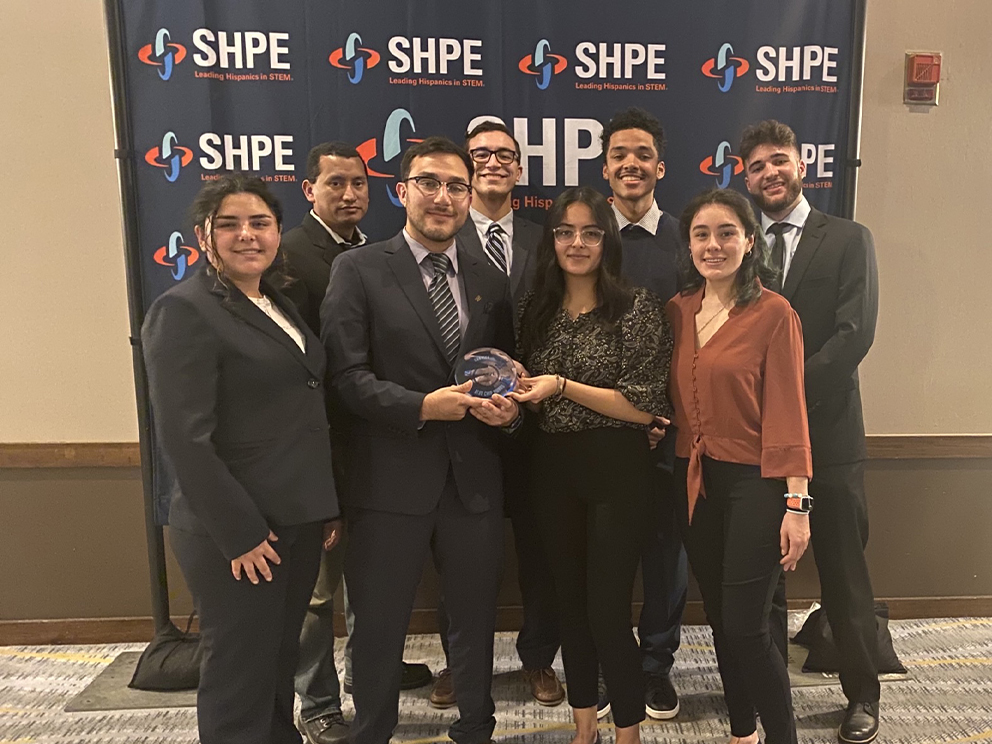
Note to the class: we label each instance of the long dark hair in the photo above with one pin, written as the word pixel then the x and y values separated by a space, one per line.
pixel 612 295
pixel 204 209
pixel 754 265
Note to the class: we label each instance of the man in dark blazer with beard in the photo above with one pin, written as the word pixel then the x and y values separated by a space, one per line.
pixel 424 468
pixel 831 280
pixel 495 234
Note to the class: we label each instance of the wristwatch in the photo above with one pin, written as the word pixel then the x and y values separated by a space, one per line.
pixel 799 502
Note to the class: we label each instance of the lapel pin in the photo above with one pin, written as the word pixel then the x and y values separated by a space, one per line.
pixel 478 297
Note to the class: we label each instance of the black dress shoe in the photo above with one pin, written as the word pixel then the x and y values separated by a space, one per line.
pixel 860 724
pixel 412 677
pixel 415 675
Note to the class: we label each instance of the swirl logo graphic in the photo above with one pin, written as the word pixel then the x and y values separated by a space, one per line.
pixel 392 147
pixel 170 157
pixel 725 67
pixel 723 165
pixel 543 64
pixel 177 256
pixel 354 58
pixel 163 54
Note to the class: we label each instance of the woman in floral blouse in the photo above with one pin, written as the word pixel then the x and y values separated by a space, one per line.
pixel 598 353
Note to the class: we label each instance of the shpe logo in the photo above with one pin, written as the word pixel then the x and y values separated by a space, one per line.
pixel 723 165
pixel 170 157
pixel 163 54
pixel 176 255
pixel 543 64
pixel 354 58
pixel 725 67
pixel 392 146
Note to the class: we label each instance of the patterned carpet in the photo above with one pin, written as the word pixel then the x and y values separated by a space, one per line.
pixel 946 699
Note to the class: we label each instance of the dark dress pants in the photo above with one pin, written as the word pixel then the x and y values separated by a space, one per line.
pixel 383 567
pixel 592 489
pixel 249 635
pixel 839 528
pixel 665 576
pixel 734 551
pixel 539 637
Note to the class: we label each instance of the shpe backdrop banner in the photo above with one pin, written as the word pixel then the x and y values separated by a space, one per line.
pixel 251 85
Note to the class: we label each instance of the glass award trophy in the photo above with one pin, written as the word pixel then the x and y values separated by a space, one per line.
pixel 491 371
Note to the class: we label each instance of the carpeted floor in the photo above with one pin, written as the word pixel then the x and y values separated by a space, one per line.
pixel 946 698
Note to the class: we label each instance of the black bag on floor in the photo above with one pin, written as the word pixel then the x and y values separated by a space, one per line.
pixel 170 662
pixel 823 657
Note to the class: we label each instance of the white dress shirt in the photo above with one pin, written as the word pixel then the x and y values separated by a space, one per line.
pixel 649 221
pixel 482 224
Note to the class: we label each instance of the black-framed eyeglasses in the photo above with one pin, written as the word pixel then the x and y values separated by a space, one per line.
pixel 429 186
pixel 482 154
pixel 590 236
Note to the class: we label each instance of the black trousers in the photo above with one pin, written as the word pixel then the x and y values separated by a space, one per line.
pixel 249 635
pixel 839 528
pixel 383 567
pixel 733 547
pixel 539 637
pixel 592 490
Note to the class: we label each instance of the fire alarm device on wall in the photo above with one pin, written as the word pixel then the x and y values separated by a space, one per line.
pixel 922 82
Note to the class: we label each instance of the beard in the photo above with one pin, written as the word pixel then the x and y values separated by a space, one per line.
pixel 793 187
pixel 437 233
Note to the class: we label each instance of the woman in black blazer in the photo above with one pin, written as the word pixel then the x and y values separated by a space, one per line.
pixel 236 385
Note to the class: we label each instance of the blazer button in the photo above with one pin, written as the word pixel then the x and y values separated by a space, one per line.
pixel 313 383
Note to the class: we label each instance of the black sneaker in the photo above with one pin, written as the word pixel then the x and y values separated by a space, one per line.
pixel 603 701
pixel 329 728
pixel 661 702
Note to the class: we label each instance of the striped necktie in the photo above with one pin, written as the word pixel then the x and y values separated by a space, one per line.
pixel 495 247
pixel 444 305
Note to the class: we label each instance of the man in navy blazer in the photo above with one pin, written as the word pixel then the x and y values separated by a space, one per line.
pixel 496 234
pixel 831 280
pixel 425 473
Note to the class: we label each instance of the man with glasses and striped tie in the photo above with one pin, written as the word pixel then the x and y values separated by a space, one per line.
pixel 496 234
pixel 425 468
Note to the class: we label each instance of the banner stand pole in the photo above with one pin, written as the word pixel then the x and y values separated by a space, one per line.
pixel 124 155
pixel 859 30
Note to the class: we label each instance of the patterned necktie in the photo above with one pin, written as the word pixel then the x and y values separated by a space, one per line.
pixel 444 305
pixel 778 253
pixel 495 247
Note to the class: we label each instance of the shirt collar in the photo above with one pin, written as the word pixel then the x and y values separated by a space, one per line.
pixel 649 221
pixel 796 218
pixel 482 222
pixel 420 252
pixel 337 238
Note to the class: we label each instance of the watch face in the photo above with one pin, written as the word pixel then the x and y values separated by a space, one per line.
pixel 491 371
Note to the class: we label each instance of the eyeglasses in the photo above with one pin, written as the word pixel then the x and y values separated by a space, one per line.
pixel 590 236
pixel 429 186
pixel 503 155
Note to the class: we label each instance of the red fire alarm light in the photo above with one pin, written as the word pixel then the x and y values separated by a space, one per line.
pixel 922 78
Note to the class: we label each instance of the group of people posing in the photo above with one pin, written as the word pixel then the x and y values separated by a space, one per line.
pixel 683 380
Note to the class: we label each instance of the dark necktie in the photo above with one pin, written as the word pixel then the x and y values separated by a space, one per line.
pixel 778 253
pixel 444 305
pixel 495 247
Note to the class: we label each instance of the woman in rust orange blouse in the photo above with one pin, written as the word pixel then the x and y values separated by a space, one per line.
pixel 742 444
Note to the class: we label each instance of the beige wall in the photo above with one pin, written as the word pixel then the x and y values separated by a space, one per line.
pixel 65 371
pixel 926 188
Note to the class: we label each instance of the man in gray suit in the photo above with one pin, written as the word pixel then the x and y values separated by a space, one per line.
pixel 830 277
pixel 425 473
pixel 494 233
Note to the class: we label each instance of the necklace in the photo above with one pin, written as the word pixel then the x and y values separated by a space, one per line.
pixel 712 318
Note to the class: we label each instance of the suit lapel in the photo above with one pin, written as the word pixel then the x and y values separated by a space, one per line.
pixel 322 240
pixel 240 306
pixel 525 238
pixel 809 242
pixel 470 267
pixel 411 281
pixel 311 357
